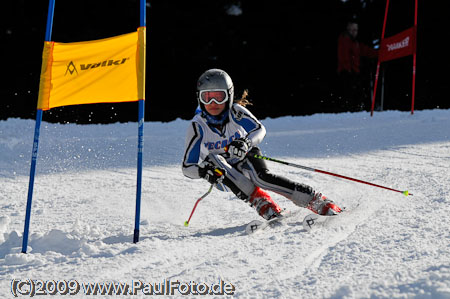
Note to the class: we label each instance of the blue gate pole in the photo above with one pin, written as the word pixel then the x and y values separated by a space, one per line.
pixel 140 141
pixel 37 129
pixel 139 171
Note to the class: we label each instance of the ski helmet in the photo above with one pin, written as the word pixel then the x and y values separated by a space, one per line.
pixel 215 80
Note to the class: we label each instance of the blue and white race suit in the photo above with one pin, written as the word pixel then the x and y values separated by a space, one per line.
pixel 204 140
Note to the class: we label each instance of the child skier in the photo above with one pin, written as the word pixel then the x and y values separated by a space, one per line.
pixel 221 144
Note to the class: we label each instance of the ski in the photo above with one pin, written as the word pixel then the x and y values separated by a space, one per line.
pixel 309 223
pixel 260 225
pixel 314 221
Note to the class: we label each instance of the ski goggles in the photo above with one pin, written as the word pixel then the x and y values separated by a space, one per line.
pixel 218 96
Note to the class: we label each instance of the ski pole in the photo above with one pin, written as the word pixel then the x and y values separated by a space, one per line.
pixel 186 223
pixel 406 193
pixel 219 173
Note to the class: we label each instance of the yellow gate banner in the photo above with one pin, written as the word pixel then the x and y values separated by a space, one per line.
pixel 101 71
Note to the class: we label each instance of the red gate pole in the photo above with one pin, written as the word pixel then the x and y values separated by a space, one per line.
pixel 414 60
pixel 378 64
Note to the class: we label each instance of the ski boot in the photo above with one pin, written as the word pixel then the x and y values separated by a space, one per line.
pixel 263 204
pixel 323 206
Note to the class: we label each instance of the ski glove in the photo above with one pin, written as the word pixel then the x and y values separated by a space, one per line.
pixel 214 175
pixel 238 148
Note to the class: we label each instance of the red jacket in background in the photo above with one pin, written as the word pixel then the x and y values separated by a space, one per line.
pixel 350 52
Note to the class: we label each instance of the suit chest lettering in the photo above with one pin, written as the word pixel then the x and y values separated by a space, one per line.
pixel 220 144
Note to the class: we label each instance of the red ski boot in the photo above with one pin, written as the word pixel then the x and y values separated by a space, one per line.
pixel 263 204
pixel 323 206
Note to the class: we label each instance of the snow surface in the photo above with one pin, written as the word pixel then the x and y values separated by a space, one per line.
pixel 386 245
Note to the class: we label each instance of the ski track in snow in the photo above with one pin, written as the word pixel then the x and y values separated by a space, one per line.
pixel 385 245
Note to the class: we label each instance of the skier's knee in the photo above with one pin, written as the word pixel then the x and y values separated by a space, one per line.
pixel 265 175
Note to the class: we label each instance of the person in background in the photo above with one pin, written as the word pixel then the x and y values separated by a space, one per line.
pixel 349 52
pixel 221 143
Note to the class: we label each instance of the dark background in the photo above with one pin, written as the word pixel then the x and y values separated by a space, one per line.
pixel 283 52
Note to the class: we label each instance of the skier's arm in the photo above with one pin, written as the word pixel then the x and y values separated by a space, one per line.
pixel 255 129
pixel 192 147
